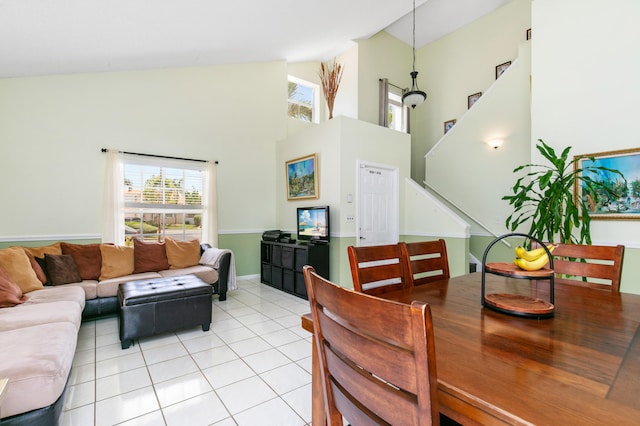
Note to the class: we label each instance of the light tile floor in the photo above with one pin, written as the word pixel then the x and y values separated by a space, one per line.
pixel 252 368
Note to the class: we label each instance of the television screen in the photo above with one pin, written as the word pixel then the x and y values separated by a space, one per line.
pixel 313 224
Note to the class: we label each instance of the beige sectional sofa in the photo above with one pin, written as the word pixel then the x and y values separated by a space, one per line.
pixel 44 294
pixel 38 340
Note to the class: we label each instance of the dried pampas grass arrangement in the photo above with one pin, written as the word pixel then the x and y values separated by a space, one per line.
pixel 330 76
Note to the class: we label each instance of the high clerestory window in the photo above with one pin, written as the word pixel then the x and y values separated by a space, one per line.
pixel 304 100
pixel 392 112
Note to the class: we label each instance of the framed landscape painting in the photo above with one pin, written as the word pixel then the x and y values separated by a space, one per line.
pixel 626 206
pixel 302 177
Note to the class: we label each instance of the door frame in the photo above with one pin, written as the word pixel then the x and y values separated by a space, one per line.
pixel 395 213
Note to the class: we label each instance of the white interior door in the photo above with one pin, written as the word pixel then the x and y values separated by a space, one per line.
pixel 378 208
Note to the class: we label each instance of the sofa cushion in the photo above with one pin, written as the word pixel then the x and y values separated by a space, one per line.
pixel 87 258
pixel 40 251
pixel 116 261
pixel 10 292
pixel 61 269
pixel 60 293
pixel 182 254
pixel 90 288
pixel 109 287
pixel 149 257
pixel 15 262
pixel 205 273
pixel 37 361
pixel 27 315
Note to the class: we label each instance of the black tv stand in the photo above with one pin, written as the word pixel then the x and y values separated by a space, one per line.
pixel 281 264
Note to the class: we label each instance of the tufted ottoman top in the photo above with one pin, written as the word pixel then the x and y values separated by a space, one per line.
pixel 158 289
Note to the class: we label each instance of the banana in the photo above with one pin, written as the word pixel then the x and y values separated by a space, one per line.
pixel 533 255
pixel 532 265
pixel 530 255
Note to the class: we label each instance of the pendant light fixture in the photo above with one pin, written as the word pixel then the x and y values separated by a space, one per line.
pixel 415 96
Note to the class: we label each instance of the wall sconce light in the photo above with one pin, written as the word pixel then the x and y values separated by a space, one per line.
pixel 495 143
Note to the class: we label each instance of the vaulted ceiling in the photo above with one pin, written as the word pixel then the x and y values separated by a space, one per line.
pixel 42 37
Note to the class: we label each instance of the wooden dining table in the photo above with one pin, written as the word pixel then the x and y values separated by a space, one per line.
pixel 579 367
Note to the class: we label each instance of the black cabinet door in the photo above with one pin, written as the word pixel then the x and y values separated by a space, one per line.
pixel 302 258
pixel 281 264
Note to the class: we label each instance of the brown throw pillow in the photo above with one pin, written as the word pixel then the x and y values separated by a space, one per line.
pixel 10 292
pixel 149 257
pixel 16 264
pixel 117 261
pixel 182 254
pixel 87 258
pixel 61 269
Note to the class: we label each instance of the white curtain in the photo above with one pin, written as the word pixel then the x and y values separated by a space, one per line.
pixel 210 201
pixel 113 208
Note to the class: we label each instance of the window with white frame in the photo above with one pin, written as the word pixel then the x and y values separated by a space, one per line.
pixel 304 100
pixel 163 197
pixel 398 113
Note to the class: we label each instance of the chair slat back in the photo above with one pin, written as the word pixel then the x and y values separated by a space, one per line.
pixel 427 261
pixel 377 357
pixel 377 269
pixel 580 264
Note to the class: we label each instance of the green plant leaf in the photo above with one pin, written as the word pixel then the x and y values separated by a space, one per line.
pixel 543 196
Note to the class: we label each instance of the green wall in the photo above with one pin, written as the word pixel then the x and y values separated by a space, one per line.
pixel 52 129
pixel 246 251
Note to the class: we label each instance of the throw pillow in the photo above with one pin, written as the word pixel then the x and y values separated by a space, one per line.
pixel 37 268
pixel 10 292
pixel 16 264
pixel 117 261
pixel 87 258
pixel 43 265
pixel 149 257
pixel 61 269
pixel 40 251
pixel 182 254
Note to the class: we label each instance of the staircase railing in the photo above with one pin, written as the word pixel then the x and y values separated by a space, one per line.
pixel 466 213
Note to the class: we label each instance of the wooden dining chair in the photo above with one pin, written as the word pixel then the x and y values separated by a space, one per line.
pixel 376 356
pixel 589 265
pixel 378 269
pixel 427 261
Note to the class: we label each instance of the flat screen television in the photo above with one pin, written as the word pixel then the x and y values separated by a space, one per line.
pixel 313 224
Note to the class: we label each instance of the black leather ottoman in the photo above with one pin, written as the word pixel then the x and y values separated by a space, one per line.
pixel 159 305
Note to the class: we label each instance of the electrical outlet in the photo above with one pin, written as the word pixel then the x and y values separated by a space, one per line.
pixel 349 218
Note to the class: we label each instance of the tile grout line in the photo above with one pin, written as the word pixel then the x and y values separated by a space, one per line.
pixel 252 298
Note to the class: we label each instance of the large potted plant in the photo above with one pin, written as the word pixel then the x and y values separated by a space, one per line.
pixel 545 196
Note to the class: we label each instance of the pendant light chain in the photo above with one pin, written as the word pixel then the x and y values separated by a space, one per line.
pixel 414 35
pixel 415 96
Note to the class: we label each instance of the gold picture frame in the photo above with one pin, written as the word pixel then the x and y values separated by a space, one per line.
pixel 625 207
pixel 302 178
